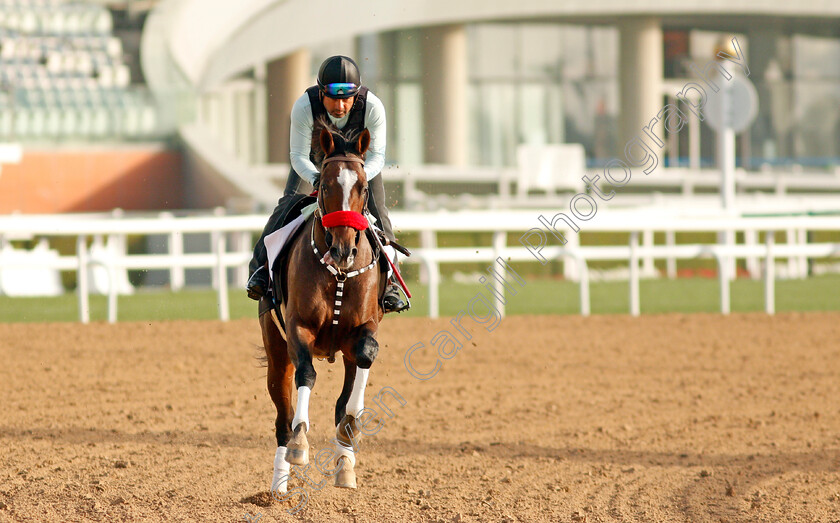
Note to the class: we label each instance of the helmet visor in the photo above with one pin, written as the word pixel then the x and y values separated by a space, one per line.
pixel 340 90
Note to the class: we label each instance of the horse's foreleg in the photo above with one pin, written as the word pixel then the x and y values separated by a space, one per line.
pixel 297 451
pixel 279 381
pixel 353 402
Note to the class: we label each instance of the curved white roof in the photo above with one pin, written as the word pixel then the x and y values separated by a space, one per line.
pixel 211 40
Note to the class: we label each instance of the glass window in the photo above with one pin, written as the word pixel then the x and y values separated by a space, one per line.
pixel 409 62
pixel 407 139
pixel 493 135
pixel 816 57
pixel 540 50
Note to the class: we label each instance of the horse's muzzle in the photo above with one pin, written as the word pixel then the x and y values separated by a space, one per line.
pixel 343 256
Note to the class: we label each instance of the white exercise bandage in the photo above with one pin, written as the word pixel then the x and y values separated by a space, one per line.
pixel 280 481
pixel 357 397
pixel 341 450
pixel 302 410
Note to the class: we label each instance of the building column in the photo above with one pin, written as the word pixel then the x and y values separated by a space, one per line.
pixel 445 70
pixel 641 71
pixel 260 121
pixel 286 79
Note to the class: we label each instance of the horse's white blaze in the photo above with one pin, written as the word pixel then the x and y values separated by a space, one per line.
pixel 280 481
pixel 357 397
pixel 302 410
pixel 347 179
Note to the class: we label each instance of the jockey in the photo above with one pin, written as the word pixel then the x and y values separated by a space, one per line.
pixel 340 96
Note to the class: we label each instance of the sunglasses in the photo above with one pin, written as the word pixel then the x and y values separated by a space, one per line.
pixel 339 89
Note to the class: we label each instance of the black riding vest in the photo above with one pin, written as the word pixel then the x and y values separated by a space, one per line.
pixel 356 120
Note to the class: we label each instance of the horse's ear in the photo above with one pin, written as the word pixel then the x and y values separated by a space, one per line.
pixel 326 142
pixel 363 142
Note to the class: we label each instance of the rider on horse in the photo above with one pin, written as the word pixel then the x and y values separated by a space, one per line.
pixel 339 96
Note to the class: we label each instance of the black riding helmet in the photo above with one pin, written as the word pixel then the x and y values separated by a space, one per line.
pixel 339 77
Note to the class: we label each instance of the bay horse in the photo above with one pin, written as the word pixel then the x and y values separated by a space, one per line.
pixel 330 296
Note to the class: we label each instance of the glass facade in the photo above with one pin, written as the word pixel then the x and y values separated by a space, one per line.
pixel 528 83
pixel 541 83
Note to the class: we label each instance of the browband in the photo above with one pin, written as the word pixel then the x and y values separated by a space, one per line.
pixel 342 159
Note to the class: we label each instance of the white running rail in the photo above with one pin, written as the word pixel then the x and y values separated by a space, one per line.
pixel 506 227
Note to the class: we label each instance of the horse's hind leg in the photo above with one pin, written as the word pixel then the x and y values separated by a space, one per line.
pixel 300 342
pixel 279 378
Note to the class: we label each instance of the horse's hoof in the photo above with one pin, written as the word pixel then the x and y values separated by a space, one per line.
pixel 346 477
pixel 297 456
pixel 297 450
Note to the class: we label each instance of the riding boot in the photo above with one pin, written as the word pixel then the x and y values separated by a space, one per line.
pixel 392 300
pixel 258 283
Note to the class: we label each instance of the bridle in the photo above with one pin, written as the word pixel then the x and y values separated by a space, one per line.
pixel 352 219
pixel 340 215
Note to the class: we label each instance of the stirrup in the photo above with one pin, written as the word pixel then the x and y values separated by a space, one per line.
pixel 258 283
pixel 400 305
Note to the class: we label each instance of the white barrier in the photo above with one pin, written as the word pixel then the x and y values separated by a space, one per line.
pixel 430 256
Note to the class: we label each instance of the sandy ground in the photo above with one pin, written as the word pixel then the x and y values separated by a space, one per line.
pixel 661 418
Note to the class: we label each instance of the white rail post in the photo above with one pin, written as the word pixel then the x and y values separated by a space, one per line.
pixel 648 269
pixel 242 243
pixel 221 275
pixel 730 266
pixel 753 266
pixel 176 251
pixel 770 275
pixel 802 239
pixel 82 279
pixel 792 262
pixel 722 262
pixel 499 244
pixel 634 274
pixel 584 286
pixel 214 239
pixel 113 287
pixel 434 287
pixel 569 263
pixel 117 245
pixel 428 240
pixel 670 261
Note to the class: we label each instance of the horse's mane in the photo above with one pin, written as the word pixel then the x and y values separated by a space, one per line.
pixel 344 141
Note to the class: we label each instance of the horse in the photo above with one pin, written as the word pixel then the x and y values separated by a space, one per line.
pixel 330 304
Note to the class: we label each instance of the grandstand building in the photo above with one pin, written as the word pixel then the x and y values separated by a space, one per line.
pixel 194 111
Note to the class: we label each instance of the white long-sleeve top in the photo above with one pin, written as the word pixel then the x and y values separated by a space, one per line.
pixel 300 140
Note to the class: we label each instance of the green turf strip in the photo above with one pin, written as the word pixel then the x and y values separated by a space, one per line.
pixel 538 296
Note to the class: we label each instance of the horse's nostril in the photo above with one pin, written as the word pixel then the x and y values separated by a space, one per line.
pixel 334 252
pixel 353 251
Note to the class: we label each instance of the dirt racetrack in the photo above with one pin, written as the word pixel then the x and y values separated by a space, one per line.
pixel 689 418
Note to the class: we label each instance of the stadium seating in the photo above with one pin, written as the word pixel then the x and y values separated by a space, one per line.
pixel 62 75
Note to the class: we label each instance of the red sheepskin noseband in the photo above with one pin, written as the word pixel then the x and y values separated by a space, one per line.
pixel 345 218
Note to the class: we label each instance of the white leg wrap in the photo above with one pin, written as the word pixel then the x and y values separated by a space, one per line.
pixel 302 410
pixel 341 450
pixel 280 481
pixel 357 397
pixel 392 255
